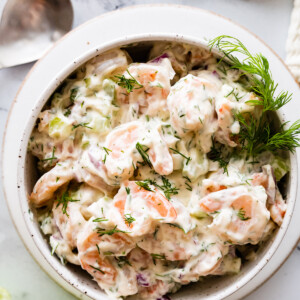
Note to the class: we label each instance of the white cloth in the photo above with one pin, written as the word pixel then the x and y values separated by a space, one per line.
pixel 293 42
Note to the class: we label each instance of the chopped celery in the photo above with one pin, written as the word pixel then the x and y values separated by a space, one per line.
pixel 198 167
pixel 87 82
pixel 99 124
pixel 109 88
pixel 59 129
pixel 199 214
pixel 280 167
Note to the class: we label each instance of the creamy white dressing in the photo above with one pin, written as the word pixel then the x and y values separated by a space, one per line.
pixel 134 195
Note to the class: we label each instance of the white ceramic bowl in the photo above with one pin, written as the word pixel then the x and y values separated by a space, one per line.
pixel 134 24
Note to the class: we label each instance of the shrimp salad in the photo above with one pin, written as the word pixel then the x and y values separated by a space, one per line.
pixel 146 182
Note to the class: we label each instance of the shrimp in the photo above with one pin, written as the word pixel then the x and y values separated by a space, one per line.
pixel 191 104
pixel 94 253
pixel 226 106
pixel 276 204
pixel 136 210
pixel 157 290
pixel 211 186
pixel 239 214
pixel 278 209
pixel 61 174
pixel 69 223
pixel 108 62
pixel 170 242
pixel 207 261
pixel 153 86
pixel 46 186
pixel 122 151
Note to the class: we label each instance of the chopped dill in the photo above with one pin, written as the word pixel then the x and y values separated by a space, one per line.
pixel 241 214
pixel 129 84
pixel 122 260
pixel 102 231
pixel 98 248
pixel 215 154
pixel 158 256
pixel 52 156
pixel 73 94
pixel 106 150
pixel 142 149
pixel 167 187
pixel 129 219
pixel 67 112
pixel 64 200
pixel 97 269
pixel 100 220
pixel 145 185
pixel 127 190
pixel 188 159
pixel 81 125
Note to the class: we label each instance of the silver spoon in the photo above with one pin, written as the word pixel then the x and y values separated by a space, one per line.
pixel 29 27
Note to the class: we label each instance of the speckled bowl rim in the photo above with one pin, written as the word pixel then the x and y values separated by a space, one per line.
pixel 89 54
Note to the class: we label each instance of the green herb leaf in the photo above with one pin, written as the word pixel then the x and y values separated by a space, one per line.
pixel 73 94
pixel 106 150
pixel 241 214
pixel 188 159
pixel 127 190
pixel 128 219
pixel 145 185
pixel 129 84
pixel 97 269
pixel 215 154
pixel 158 256
pixel 142 149
pixel 81 125
pixel 102 231
pixel 262 84
pixel 52 156
pixel 100 220
pixel 122 260
pixel 64 200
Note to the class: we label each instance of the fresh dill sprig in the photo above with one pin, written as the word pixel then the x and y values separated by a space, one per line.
pixel 262 83
pixel 256 134
pixel 216 154
pixel 143 152
pixel 241 214
pixel 129 84
pixel 64 200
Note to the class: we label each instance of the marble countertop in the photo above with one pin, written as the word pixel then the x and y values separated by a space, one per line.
pixel 19 274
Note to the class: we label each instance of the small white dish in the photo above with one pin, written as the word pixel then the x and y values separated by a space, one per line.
pixel 139 23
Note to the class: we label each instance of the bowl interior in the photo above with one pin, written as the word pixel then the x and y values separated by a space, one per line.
pixel 208 288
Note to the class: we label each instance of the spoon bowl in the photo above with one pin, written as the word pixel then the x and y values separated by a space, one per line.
pixel 29 28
